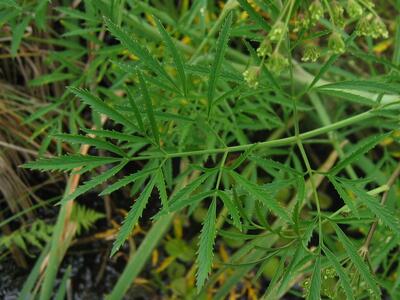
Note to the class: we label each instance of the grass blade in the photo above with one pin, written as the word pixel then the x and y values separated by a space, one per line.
pixel 18 33
pixel 140 257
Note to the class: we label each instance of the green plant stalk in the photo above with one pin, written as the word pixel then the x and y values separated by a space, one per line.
pixel 26 291
pixel 139 259
pixel 268 144
pixel 56 252
pixel 323 115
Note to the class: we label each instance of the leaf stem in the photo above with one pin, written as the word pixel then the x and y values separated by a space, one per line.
pixel 268 144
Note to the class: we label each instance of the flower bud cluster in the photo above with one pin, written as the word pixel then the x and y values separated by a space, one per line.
pixel 372 26
pixel 311 53
pixel 277 63
pixel 251 76
pixel 305 22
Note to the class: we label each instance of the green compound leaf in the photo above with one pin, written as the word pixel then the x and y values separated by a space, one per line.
pixel 69 162
pixel 134 47
pixel 99 106
pixel 177 57
pixel 222 44
pixel 233 210
pixel 127 180
pixel 95 181
pixel 262 195
pixel 357 260
pixel 133 216
pixel 149 108
pixel 357 151
pixel 344 278
pixel 341 190
pixel 85 140
pixel 384 214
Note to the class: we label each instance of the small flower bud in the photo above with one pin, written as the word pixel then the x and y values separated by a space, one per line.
pixel 265 48
pixel 371 26
pixel 301 23
pixel 336 43
pixel 354 10
pixel 379 28
pixel 329 273
pixel 311 53
pixel 363 27
pixel 277 63
pixel 316 10
pixel 251 76
pixel 278 31
pixel 369 3
pixel 337 11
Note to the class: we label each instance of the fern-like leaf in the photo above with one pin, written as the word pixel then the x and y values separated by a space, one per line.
pixel 135 110
pixel 361 148
pixel 233 210
pixel 99 106
pixel 175 54
pixel 315 286
pixel 88 185
pixel 135 48
pixel 344 278
pixel 149 108
pixel 82 140
pixel 133 216
pixel 222 44
pixel 162 190
pixel 382 212
pixel 69 162
pixel 262 195
pixel 188 189
pixel 206 245
pixel 127 180
pixel 184 202
pixel 85 217
pixel 357 260
pixel 112 134
pixel 344 195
